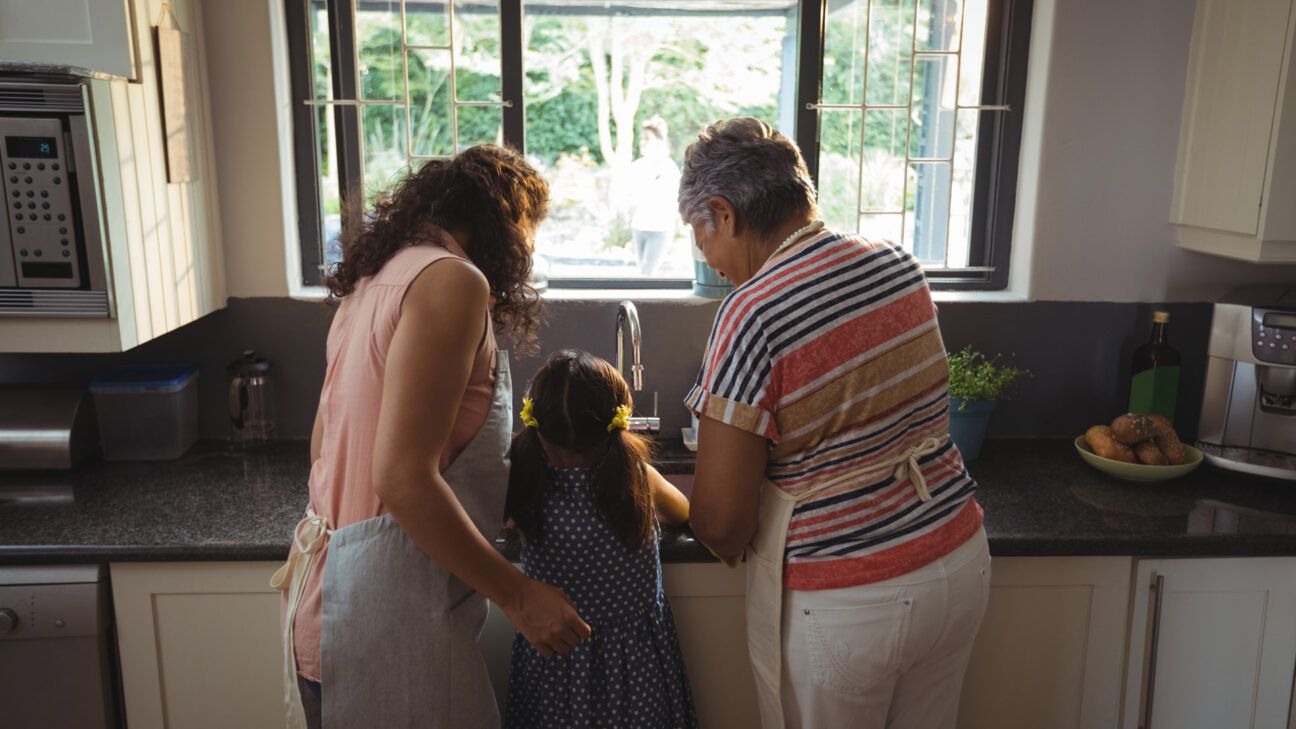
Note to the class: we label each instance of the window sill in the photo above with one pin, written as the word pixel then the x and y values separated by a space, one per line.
pixel 1008 296
pixel 314 294
pixel 687 297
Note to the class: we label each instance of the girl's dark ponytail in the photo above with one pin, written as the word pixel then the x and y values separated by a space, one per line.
pixel 622 490
pixel 528 474
pixel 575 398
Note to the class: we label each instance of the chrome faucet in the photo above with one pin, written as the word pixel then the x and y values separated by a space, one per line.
pixel 628 319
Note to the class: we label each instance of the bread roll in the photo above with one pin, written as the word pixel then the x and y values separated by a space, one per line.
pixel 1149 454
pixel 1101 441
pixel 1168 441
pixel 1134 428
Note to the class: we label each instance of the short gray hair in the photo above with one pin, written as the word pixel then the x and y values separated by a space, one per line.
pixel 758 170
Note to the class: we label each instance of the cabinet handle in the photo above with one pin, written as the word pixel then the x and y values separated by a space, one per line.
pixel 1158 594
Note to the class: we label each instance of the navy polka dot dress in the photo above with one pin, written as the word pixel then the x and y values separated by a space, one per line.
pixel 629 674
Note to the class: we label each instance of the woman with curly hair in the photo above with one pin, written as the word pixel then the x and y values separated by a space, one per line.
pixel 387 580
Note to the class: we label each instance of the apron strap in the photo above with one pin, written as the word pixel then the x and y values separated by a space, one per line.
pixel 309 538
pixel 913 470
pixel 905 464
pixel 765 569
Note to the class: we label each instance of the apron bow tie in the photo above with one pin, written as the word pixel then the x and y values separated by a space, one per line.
pixel 910 467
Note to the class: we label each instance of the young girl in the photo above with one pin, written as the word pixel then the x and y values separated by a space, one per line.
pixel 586 500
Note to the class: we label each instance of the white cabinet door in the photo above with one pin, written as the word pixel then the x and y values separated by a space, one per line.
pixel 88 34
pixel 1225 647
pixel 199 644
pixel 709 603
pixel 1236 171
pixel 1232 91
pixel 1051 647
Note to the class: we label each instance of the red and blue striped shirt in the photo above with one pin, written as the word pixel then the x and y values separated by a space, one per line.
pixel 832 352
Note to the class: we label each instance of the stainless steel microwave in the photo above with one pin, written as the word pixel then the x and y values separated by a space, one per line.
pixel 51 239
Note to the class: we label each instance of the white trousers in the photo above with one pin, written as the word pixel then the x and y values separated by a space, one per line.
pixel 888 654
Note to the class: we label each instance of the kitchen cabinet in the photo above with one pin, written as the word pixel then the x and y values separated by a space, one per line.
pixel 94 35
pixel 1051 647
pixel 1236 174
pixel 708 603
pixel 199 644
pixel 1212 644
pixel 161 239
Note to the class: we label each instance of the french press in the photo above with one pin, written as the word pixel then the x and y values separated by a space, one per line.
pixel 251 399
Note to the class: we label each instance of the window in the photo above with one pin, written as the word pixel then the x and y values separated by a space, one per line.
pixel 908 113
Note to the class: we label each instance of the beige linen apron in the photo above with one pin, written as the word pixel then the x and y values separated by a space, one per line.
pixel 765 571
pixel 398 639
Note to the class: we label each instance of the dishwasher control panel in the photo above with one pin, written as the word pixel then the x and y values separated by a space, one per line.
pixel 31 611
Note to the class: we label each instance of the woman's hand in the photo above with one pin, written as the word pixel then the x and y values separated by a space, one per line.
pixel 545 617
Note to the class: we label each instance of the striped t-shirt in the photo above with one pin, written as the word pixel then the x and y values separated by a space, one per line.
pixel 832 352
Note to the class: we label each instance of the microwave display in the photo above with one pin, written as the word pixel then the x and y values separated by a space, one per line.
pixel 31 147
pixel 1280 321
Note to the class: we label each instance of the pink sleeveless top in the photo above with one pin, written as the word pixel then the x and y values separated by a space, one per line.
pixel 341 486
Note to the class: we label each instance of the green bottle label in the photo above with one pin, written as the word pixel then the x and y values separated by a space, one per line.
pixel 1155 391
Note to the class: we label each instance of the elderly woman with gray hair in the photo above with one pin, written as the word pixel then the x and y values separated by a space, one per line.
pixel 824 451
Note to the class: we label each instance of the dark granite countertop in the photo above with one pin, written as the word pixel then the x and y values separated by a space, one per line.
pixel 1039 498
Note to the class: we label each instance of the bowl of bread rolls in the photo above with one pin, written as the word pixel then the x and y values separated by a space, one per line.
pixel 1138 447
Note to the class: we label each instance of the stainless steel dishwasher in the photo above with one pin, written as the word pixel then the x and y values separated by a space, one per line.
pixel 57 660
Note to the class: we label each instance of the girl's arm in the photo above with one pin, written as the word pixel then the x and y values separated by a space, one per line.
pixel 672 505
pixel 443 319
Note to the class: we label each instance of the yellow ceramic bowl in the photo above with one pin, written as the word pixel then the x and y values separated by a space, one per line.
pixel 1138 471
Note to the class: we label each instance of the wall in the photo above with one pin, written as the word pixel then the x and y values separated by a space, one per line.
pixel 1104 173
pixel 1078 353
pixel 243 79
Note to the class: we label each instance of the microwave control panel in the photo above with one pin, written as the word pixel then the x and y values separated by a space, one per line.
pixel 39 220
pixel 1273 336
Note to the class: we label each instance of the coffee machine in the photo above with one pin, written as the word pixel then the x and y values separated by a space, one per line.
pixel 1248 421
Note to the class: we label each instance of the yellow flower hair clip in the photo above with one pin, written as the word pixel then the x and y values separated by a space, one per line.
pixel 528 416
pixel 621 419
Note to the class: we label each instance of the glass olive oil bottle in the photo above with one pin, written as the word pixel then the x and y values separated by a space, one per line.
pixel 1154 386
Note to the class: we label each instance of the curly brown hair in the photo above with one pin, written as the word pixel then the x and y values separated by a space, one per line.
pixel 491 192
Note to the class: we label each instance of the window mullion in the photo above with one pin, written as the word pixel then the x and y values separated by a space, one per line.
pixel 999 140
pixel 305 142
pixel 810 45
pixel 511 73
pixel 342 39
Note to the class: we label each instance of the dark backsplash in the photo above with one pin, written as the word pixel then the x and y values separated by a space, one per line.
pixel 1078 354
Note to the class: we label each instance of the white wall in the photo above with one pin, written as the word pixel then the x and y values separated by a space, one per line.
pixel 248 144
pixel 1104 173
pixel 1103 109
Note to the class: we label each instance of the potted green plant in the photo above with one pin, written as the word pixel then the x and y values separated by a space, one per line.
pixel 976 385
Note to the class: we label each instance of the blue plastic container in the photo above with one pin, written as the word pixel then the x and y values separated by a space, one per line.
pixel 706 280
pixel 968 427
pixel 147 412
